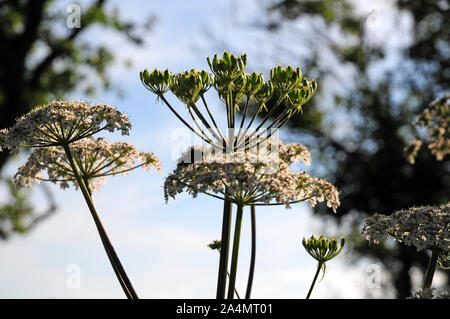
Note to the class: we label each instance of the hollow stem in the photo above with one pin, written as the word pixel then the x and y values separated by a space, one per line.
pixel 235 253
pixel 431 268
pixel 253 253
pixel 115 262
pixel 319 266
pixel 224 248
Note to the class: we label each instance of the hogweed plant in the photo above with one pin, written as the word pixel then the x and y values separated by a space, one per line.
pixel 238 91
pixel 322 250
pixel 425 227
pixel 63 147
pixel 249 178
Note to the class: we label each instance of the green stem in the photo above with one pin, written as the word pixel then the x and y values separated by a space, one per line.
pixel 182 120
pixel 115 262
pixel 431 268
pixel 319 266
pixel 235 253
pixel 235 290
pixel 224 248
pixel 212 119
pixel 253 254
pixel 115 268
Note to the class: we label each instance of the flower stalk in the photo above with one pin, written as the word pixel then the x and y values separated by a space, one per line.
pixel 429 274
pixel 235 252
pixel 253 253
pixel 114 259
pixel 319 267
pixel 224 250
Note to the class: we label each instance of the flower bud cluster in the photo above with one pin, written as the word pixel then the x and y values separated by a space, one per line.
pixel 323 249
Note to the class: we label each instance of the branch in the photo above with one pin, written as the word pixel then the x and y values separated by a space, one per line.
pixel 57 51
pixel 34 14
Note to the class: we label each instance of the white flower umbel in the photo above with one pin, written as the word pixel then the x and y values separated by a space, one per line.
pixel 61 123
pixel 248 176
pixel 60 135
pixel 251 178
pixel 426 227
pixel 96 159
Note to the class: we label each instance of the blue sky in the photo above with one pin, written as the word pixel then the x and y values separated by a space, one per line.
pixel 163 246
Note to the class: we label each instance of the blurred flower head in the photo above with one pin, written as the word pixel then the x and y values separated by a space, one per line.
pixel 436 119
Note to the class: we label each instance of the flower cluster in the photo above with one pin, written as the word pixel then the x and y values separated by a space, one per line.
pixel 436 118
pixel 260 177
pixel 323 249
pixel 286 86
pixel 422 227
pixel 62 122
pixel 95 158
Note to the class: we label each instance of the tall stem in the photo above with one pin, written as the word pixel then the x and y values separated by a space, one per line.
pixel 115 262
pixel 319 266
pixel 431 268
pixel 253 254
pixel 235 253
pixel 115 268
pixel 224 248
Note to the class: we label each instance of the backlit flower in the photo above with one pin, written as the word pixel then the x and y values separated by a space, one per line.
pixel 62 122
pixel 95 158
pixel 260 177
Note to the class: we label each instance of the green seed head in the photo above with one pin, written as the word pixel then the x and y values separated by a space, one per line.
pixel 254 82
pixel 285 79
pixel 156 81
pixel 228 67
pixel 189 85
pixel 323 249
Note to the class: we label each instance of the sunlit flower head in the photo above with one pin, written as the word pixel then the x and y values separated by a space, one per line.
pixel 261 177
pixel 62 122
pixel 425 227
pixel 96 159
